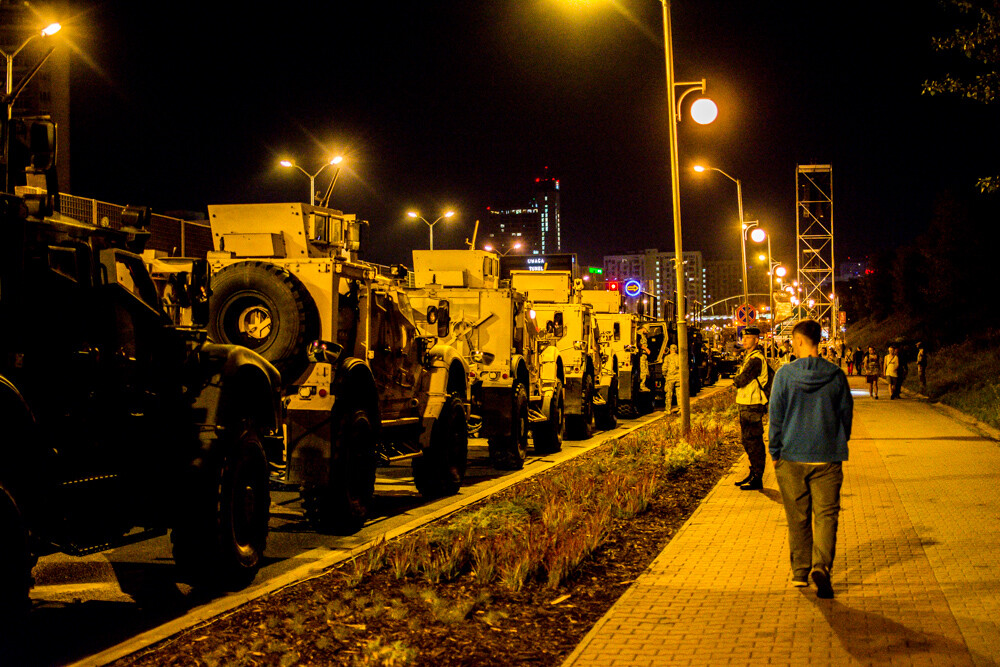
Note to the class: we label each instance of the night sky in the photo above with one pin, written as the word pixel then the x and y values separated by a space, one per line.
pixel 462 103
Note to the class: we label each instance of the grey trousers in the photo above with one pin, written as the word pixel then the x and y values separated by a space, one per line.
pixel 811 496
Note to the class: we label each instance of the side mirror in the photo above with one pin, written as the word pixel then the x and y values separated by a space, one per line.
pixel 41 145
pixel 443 319
pixel 199 290
pixel 323 351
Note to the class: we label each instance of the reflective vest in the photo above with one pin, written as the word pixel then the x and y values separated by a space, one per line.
pixel 753 393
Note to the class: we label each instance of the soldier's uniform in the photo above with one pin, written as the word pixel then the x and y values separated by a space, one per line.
pixel 752 404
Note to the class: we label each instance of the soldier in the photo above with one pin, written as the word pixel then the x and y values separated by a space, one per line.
pixel 752 403
pixel 643 344
pixel 671 375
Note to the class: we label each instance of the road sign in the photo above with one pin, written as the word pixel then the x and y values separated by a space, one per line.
pixel 745 314
pixel 632 288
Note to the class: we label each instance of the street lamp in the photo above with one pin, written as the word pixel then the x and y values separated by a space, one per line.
pixel 743 226
pixel 415 214
pixel 11 93
pixel 759 235
pixel 312 177
pixel 516 246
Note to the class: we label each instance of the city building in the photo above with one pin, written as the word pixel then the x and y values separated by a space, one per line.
pixel 537 226
pixel 655 272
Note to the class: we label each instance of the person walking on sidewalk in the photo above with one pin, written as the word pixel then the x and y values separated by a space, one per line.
pixel 859 357
pixel 752 404
pixel 810 419
pixel 922 368
pixel 871 369
pixel 891 372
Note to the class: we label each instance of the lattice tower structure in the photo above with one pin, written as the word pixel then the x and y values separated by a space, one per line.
pixel 814 242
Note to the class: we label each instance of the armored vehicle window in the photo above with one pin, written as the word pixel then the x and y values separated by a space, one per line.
pixel 618 331
pixel 128 271
pixel 63 261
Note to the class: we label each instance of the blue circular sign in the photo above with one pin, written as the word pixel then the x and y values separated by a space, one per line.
pixel 632 288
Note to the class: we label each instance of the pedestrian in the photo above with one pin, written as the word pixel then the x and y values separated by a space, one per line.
pixel 922 368
pixel 809 421
pixel 850 362
pixel 671 376
pixel 890 369
pixel 871 369
pixel 752 404
pixel 642 340
pixel 842 351
pixel 859 357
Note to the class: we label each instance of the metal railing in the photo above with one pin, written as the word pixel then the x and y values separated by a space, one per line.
pixel 178 238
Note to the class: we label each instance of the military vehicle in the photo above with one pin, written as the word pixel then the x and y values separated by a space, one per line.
pixel 618 349
pixel 494 331
pixel 363 385
pixel 570 327
pixel 119 424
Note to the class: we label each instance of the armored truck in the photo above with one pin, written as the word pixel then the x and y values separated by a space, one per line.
pixel 363 385
pixel 458 297
pixel 618 349
pixel 119 425
pixel 569 327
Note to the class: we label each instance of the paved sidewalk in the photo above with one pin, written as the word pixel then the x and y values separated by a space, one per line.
pixel 917 570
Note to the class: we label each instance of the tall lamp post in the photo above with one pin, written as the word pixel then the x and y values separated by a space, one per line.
pixel 416 215
pixel 702 111
pixel 743 228
pixel 490 248
pixel 759 235
pixel 312 177
pixel 10 93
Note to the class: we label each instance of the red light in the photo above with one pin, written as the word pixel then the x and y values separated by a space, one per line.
pixel 613 286
pixel 538 180
pixel 322 393
pixel 505 376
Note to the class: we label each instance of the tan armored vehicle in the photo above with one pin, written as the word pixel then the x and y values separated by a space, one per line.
pixel 618 345
pixel 567 324
pixel 363 385
pixel 458 297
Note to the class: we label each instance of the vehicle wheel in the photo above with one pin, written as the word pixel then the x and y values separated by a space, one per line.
pixel 548 436
pixel 15 562
pixel 439 471
pixel 609 414
pixel 508 452
pixel 581 426
pixel 341 506
pixel 265 308
pixel 219 541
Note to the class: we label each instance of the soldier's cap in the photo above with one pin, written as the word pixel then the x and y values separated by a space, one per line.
pixel 751 331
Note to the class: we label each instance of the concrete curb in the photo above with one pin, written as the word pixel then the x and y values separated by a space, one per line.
pixel 216 608
pixel 985 429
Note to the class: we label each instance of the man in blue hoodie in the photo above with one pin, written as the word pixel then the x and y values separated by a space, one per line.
pixel 810 423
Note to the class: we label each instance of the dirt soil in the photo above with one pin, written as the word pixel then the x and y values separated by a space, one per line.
pixel 384 621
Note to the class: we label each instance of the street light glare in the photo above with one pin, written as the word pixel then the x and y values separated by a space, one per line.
pixel 449 214
pixel 488 248
pixel 51 29
pixel 287 163
pixel 699 168
pixel 704 111
pixel 412 214
pixel 337 160
pixel 758 235
pixel 780 271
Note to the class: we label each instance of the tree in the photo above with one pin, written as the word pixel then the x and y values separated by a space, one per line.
pixel 978 40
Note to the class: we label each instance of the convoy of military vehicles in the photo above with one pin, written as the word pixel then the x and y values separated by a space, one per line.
pixel 146 394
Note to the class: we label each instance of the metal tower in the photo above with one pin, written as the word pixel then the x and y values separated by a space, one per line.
pixel 814 242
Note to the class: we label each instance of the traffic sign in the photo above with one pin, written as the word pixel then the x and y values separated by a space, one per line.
pixel 745 314
pixel 632 288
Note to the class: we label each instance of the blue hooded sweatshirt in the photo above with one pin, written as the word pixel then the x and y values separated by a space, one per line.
pixel 810 412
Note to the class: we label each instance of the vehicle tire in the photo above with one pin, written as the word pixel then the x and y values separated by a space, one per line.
pixel 219 541
pixel 265 308
pixel 581 426
pixel 609 413
pixel 341 506
pixel 15 563
pixel 548 437
pixel 509 452
pixel 440 470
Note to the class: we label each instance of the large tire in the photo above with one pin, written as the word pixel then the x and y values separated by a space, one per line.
pixel 265 308
pixel 609 413
pixel 15 564
pixel 219 540
pixel 509 452
pixel 548 436
pixel 341 506
pixel 581 426
pixel 440 470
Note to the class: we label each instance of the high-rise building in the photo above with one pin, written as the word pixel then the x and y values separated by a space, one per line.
pixel 536 226
pixel 48 92
pixel 655 271
pixel 547 203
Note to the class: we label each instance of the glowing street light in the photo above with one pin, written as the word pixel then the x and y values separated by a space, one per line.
pixel 743 225
pixel 11 92
pixel 415 215
pixel 288 164
pixel 516 246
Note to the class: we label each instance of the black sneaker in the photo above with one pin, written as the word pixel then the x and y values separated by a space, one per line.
pixel 822 580
pixel 753 485
pixel 743 481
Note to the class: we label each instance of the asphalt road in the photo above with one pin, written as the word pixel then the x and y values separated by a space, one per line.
pixel 82 606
